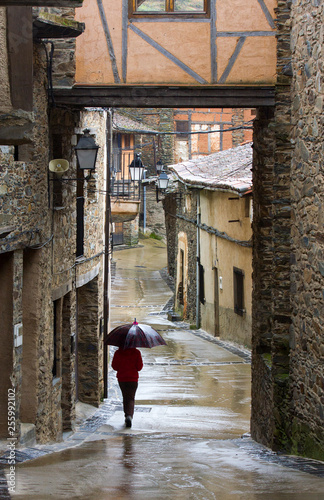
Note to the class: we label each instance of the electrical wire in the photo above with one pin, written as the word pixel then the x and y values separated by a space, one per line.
pixel 221 130
pixel 212 230
pixel 82 262
pixel 41 245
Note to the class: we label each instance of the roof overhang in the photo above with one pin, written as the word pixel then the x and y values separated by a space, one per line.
pixel 52 26
pixel 165 96
pixel 42 3
pixel 16 127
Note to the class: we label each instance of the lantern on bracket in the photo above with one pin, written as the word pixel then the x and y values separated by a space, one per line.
pixel 159 167
pixel 161 184
pixel 136 168
pixel 86 151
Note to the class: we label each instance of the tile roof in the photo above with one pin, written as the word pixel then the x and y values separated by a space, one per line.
pixel 125 124
pixel 229 169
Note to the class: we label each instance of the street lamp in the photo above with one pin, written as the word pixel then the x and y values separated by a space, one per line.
pixel 136 168
pixel 159 167
pixel 86 151
pixel 162 184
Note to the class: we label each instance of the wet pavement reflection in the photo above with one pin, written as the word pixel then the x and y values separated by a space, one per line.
pixel 192 409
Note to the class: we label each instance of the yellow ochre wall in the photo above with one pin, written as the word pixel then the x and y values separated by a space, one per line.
pixel 216 211
pixel 235 45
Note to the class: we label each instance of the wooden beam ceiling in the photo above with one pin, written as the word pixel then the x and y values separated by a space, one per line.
pixel 165 96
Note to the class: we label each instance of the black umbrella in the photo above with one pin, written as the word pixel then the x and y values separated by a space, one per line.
pixel 134 335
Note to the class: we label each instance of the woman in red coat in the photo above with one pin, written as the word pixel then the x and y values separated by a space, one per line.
pixel 127 363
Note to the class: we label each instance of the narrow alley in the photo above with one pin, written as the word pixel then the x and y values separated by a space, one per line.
pixel 190 435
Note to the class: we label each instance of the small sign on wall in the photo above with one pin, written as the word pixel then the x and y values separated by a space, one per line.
pixel 18 334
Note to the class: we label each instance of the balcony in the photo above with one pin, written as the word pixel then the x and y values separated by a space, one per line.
pixel 125 192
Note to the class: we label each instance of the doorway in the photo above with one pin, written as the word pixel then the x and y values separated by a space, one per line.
pixel 118 234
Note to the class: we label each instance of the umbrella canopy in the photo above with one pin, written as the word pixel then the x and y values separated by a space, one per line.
pixel 134 335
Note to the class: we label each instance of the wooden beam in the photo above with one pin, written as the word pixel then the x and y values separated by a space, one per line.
pixel 42 3
pixel 20 52
pixel 136 96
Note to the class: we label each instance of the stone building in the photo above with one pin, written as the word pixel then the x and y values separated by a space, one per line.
pixel 51 230
pixel 194 127
pixel 288 300
pixel 183 134
pixel 210 239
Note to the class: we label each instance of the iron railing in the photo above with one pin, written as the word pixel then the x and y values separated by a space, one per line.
pixel 122 186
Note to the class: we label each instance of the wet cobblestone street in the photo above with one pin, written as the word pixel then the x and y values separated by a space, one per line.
pixel 190 436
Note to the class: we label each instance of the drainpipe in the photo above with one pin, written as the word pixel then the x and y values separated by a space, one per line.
pixel 144 205
pixel 107 247
pixel 197 264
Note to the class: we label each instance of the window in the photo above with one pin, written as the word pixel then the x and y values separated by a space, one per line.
pixel 196 8
pixel 238 291
pixel 182 129
pixel 202 284
pixel 128 141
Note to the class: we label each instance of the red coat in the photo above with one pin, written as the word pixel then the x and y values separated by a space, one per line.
pixel 127 363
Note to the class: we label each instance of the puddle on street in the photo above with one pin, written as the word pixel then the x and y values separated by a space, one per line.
pixel 140 467
pixel 192 407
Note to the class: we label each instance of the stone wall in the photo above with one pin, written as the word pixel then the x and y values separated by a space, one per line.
pixel 177 205
pixel 24 199
pixel 307 191
pixel 272 228
pixel 24 183
pixel 287 385
pixel 64 50
pixel 130 231
pixel 155 217
pixel 5 99
pixel 38 262
pixel 263 180
pixel 170 208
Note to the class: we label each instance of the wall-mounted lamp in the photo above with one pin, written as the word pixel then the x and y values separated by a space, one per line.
pixel 161 184
pixel 86 151
pixel 136 168
pixel 159 167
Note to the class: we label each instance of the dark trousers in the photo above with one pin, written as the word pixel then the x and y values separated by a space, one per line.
pixel 128 391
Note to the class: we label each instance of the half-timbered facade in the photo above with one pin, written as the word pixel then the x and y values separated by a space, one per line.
pixel 179 42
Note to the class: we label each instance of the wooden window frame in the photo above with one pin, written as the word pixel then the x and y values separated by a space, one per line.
pixel 169 12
